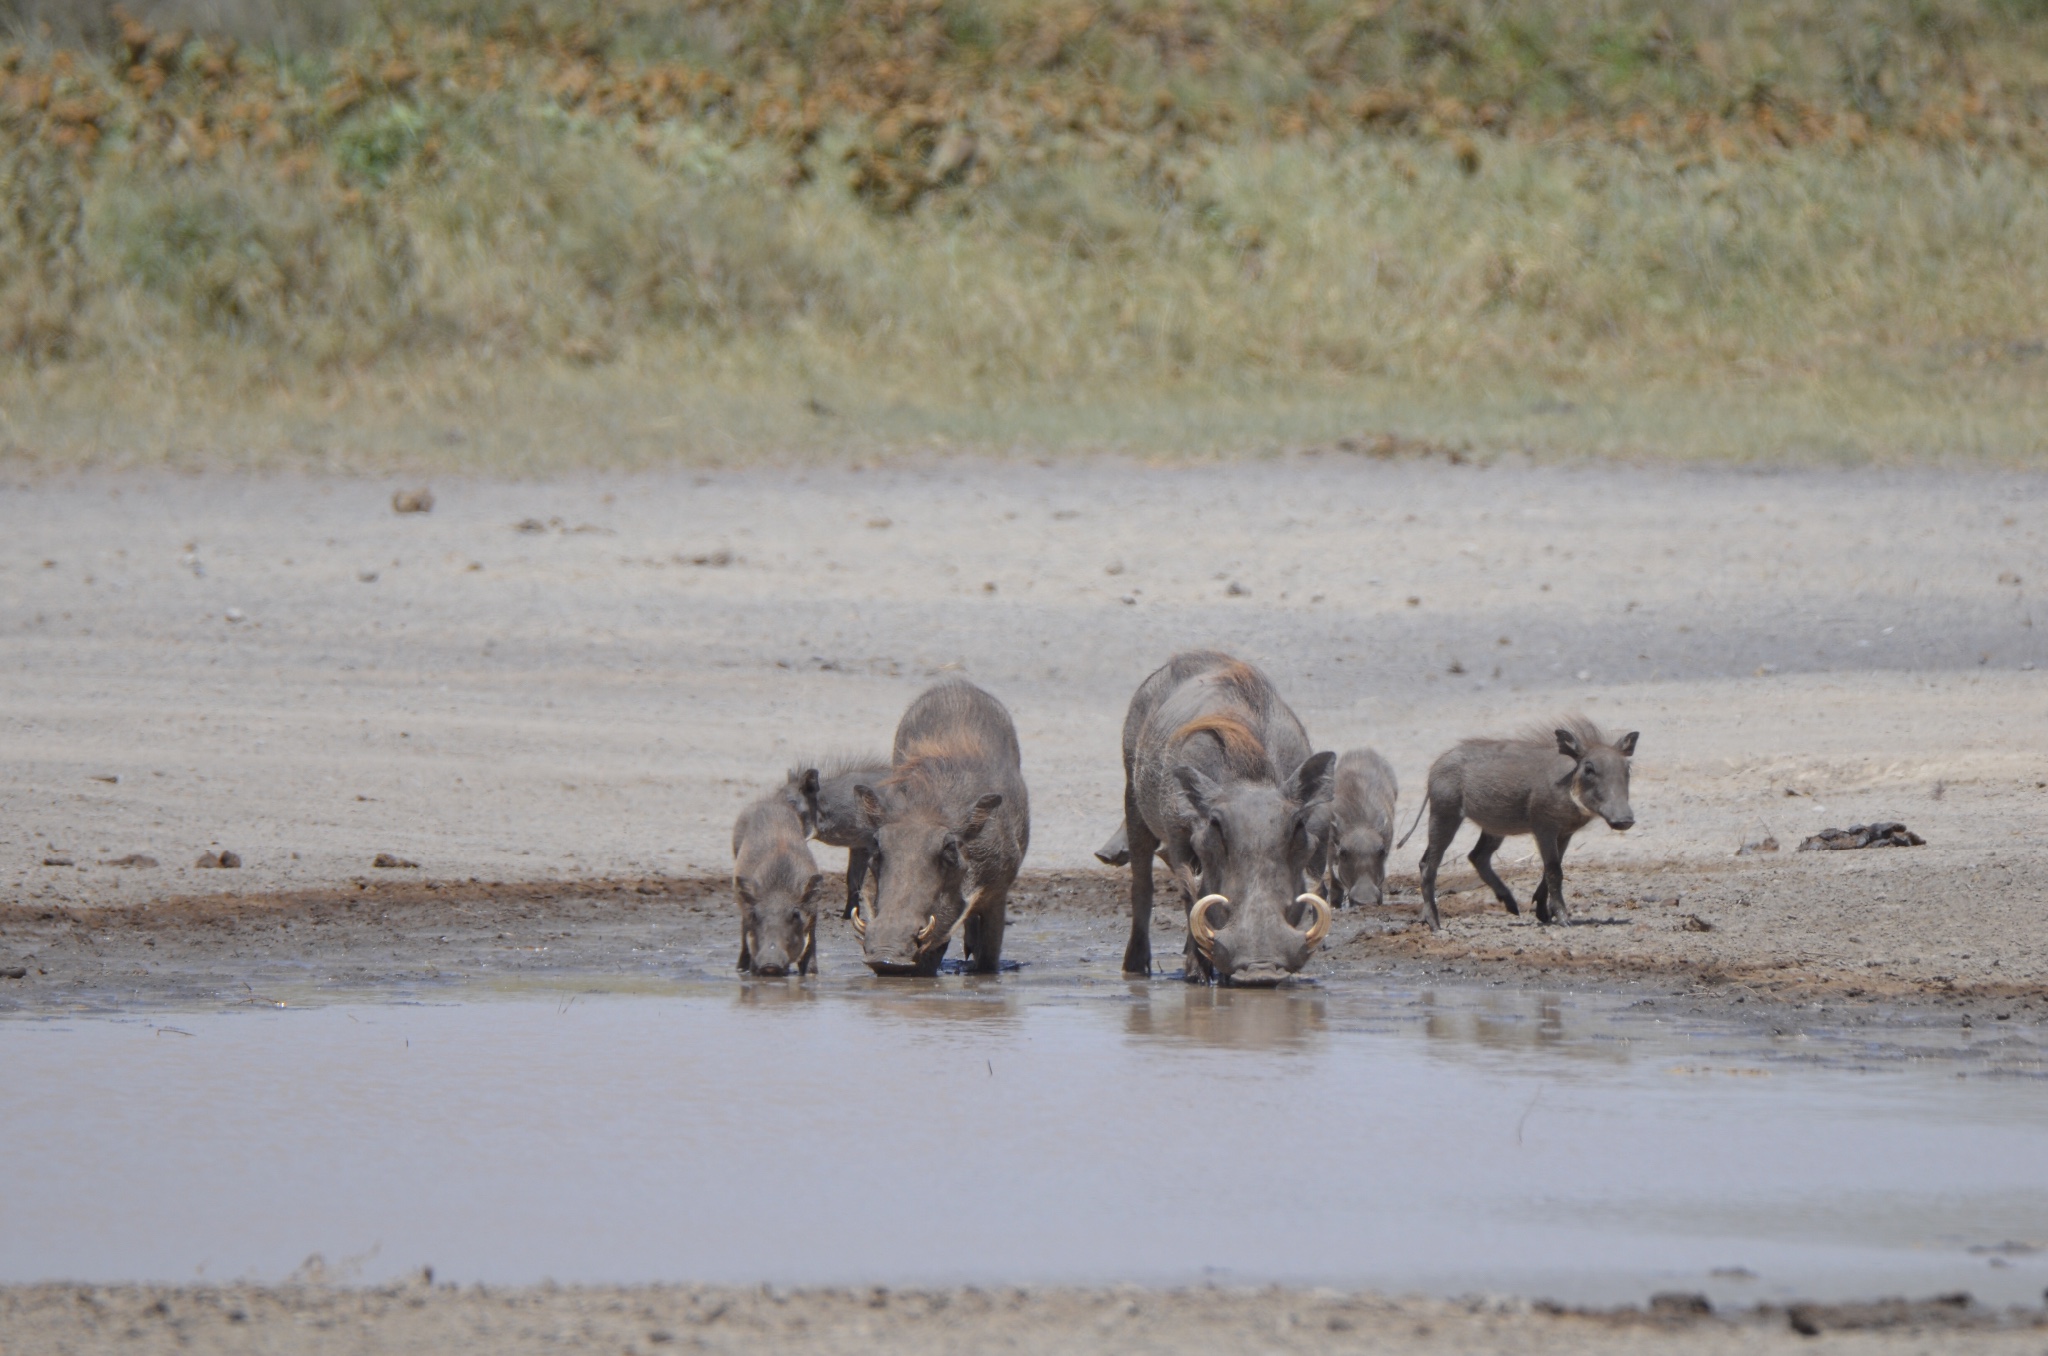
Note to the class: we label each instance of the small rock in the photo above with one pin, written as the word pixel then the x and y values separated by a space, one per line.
pixel 13 972
pixel 1680 1304
pixel 110 778
pixel 366 576
pixel 413 501
pixel 391 863
pixel 58 859
pixel 1237 590
pixel 1767 843
pixel 1695 923
pixel 232 615
pixel 218 860
pixel 529 525
pixel 132 859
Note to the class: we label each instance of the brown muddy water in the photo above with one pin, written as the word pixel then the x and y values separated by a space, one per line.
pixel 1448 1140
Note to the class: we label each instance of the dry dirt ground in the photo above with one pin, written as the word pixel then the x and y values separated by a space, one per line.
pixel 424 1318
pixel 554 696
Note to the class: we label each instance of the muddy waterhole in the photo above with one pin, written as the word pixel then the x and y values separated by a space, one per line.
pixel 1451 1139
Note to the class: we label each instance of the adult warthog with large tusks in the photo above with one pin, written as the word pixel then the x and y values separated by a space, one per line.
pixel 950 826
pixel 1218 773
pixel 776 884
pixel 1549 785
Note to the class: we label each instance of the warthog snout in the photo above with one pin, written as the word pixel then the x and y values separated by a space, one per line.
pixel 1256 947
pixel 1621 823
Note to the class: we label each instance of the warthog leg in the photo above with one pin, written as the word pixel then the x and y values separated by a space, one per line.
pixel 1481 858
pixel 857 861
pixel 1550 905
pixel 1444 822
pixel 1138 951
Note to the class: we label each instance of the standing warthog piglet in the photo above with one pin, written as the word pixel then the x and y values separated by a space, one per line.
pixel 1550 785
pixel 1218 773
pixel 824 796
pixel 950 824
pixel 777 886
pixel 1352 859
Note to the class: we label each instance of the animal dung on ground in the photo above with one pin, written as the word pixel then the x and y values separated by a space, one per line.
pixel 132 859
pixel 412 501
pixel 212 861
pixel 1767 843
pixel 1862 836
pixel 391 863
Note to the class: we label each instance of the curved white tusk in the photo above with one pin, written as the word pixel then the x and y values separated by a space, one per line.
pixel 860 925
pixel 1198 922
pixel 1321 927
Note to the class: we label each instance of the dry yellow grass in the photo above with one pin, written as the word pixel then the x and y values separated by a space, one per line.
pixel 524 247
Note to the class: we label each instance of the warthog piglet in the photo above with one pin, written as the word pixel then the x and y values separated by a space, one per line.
pixel 1549 784
pixel 823 795
pixel 776 883
pixel 1352 857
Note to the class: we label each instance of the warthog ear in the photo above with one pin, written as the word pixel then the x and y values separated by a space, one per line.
pixel 1627 744
pixel 1568 744
pixel 983 808
pixel 870 805
pixel 1202 790
pixel 1311 781
pixel 809 785
pixel 813 888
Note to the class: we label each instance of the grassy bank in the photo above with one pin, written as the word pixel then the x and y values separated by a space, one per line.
pixel 558 234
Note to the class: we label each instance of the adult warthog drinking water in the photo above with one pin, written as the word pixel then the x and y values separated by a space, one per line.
pixel 1352 856
pixel 832 814
pixel 777 886
pixel 950 825
pixel 1218 773
pixel 1549 785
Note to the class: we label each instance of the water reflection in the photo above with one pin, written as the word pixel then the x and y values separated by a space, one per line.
pixel 1520 1023
pixel 975 999
pixel 1229 1019
pixel 774 993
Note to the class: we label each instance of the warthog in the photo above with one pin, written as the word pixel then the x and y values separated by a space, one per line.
pixel 1550 785
pixel 823 795
pixel 950 824
pixel 1218 773
pixel 1360 830
pixel 777 886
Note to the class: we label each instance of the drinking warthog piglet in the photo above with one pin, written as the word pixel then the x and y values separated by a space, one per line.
pixel 1218 773
pixel 951 823
pixel 1361 829
pixel 823 795
pixel 1549 784
pixel 777 886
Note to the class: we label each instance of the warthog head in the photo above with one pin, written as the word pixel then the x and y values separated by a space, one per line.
pixel 920 865
pixel 1358 859
pixel 1598 781
pixel 1252 841
pixel 778 924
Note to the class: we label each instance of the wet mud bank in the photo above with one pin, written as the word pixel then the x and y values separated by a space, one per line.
pixel 1755 944
pixel 426 1317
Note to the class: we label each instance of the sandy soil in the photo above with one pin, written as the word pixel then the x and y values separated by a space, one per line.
pixel 422 1317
